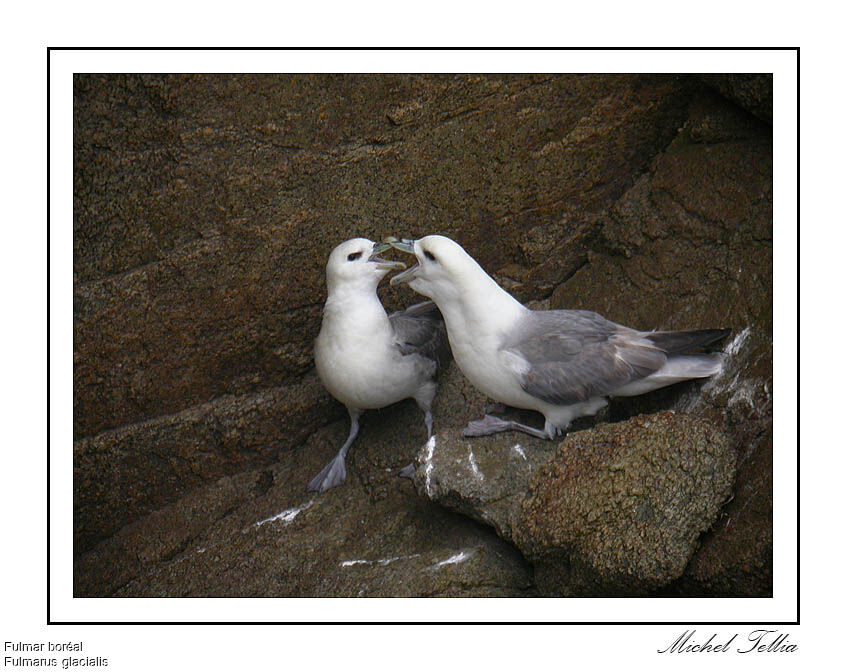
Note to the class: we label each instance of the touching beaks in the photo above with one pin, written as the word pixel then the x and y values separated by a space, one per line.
pixel 403 244
pixel 384 264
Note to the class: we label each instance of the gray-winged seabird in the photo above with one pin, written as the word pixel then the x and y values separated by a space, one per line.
pixel 366 358
pixel 562 363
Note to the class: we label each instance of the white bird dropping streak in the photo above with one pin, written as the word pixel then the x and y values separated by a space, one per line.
pixel 430 452
pixel 517 448
pixel 351 563
pixel 727 379
pixel 285 516
pixel 735 345
pixel 476 472
pixel 454 559
pixel 382 562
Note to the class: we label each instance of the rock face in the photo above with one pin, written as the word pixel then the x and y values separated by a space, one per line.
pixel 204 209
pixel 619 509
pixel 259 533
pixel 306 550
pixel 752 92
pixel 205 206
pixel 125 473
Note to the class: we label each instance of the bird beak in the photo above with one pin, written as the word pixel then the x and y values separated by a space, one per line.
pixel 384 264
pixel 408 246
pixel 403 244
pixel 405 276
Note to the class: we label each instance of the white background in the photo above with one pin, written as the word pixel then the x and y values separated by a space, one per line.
pixel 24 269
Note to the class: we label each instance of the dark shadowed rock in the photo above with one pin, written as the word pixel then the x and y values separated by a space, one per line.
pixel 736 556
pixel 259 533
pixel 753 92
pixel 128 472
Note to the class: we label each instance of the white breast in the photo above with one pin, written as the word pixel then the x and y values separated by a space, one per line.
pixel 477 349
pixel 358 363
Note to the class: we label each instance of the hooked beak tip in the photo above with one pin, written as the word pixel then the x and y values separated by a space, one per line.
pixel 404 244
pixel 405 276
pixel 384 264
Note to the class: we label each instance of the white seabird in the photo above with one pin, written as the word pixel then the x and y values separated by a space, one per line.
pixel 562 363
pixel 366 358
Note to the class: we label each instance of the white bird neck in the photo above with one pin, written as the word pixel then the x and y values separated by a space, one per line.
pixel 348 303
pixel 483 303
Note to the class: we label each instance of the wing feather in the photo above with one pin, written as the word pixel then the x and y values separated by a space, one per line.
pixel 573 355
pixel 420 330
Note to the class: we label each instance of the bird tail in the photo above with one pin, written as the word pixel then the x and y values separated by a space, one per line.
pixel 693 366
pixel 675 342
pixel 676 369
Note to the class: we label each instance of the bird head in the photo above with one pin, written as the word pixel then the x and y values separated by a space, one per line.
pixel 444 270
pixel 357 263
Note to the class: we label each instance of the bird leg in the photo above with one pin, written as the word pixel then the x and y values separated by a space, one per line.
pixel 491 425
pixel 428 421
pixel 409 470
pixel 335 472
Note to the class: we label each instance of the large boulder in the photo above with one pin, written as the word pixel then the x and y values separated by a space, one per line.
pixel 617 509
pixel 620 508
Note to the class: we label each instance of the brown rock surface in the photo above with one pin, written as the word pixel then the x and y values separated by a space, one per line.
pixel 259 533
pixel 619 509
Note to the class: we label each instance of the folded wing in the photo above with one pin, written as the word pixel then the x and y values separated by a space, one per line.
pixel 574 355
pixel 419 329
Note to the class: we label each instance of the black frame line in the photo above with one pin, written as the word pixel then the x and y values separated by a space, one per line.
pixel 589 623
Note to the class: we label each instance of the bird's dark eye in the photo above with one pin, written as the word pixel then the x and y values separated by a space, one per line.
pixel 429 255
pixel 353 256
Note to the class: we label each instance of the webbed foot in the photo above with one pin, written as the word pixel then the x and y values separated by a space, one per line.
pixel 333 474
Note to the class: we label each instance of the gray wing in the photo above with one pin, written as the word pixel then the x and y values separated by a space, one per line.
pixel 419 329
pixel 574 355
